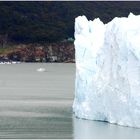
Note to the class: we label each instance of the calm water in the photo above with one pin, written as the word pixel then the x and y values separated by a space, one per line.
pixel 39 105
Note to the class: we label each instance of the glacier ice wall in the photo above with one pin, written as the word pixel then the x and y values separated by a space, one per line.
pixel 107 85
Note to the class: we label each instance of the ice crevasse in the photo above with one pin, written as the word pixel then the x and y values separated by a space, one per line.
pixel 107 85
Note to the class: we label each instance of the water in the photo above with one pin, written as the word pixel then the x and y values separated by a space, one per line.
pixel 36 104
pixel 39 105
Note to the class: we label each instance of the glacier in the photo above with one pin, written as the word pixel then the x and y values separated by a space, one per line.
pixel 107 84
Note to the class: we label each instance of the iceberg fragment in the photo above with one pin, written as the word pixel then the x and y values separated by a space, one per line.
pixel 107 85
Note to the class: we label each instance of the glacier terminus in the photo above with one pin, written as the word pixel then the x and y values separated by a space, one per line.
pixel 107 85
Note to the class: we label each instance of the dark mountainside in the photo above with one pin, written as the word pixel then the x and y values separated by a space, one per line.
pixel 47 22
pixel 54 21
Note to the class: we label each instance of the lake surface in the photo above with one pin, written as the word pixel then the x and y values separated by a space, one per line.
pixel 39 105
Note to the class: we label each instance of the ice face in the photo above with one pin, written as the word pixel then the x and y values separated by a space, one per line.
pixel 107 85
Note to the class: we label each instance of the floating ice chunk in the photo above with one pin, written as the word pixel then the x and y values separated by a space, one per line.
pixel 41 69
pixel 107 85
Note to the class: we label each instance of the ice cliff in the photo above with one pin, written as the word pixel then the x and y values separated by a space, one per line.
pixel 107 85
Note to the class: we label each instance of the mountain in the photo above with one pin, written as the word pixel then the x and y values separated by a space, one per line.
pixel 52 21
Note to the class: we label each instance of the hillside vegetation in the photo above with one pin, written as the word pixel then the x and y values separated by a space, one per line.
pixel 49 21
pixel 43 31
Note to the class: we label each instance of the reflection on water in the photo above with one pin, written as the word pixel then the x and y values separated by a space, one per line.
pixel 96 129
